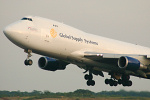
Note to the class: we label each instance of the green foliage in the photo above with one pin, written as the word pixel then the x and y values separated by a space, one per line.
pixel 80 93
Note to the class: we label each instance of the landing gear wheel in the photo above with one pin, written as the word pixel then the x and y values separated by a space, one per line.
pixel 124 83
pixel 126 80
pixel 28 62
pixel 115 83
pixel 89 78
pixel 90 82
pixel 119 81
pixel 111 82
pixel 106 81
pixel 86 77
pixel 129 83
pixel 93 83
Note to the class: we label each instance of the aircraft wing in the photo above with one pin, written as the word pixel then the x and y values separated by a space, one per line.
pixel 100 56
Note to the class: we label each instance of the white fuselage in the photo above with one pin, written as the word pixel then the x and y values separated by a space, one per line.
pixel 54 39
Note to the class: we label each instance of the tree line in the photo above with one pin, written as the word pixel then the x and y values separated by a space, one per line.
pixel 78 93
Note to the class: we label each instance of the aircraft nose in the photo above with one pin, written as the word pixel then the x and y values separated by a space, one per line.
pixel 10 31
pixel 7 31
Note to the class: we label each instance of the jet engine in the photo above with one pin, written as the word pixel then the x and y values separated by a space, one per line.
pixel 51 64
pixel 129 63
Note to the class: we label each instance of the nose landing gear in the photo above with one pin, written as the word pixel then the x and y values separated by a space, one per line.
pixel 28 61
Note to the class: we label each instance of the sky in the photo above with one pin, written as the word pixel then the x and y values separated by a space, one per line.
pixel 125 20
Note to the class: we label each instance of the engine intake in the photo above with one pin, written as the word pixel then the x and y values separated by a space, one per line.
pixel 51 64
pixel 129 63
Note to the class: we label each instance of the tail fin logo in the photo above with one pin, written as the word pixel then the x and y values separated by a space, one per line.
pixel 53 33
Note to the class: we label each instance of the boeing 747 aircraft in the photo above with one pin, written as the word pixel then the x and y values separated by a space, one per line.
pixel 62 45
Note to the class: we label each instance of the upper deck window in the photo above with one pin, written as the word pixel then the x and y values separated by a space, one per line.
pixel 30 19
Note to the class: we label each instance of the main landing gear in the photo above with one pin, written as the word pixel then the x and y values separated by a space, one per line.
pixel 124 81
pixel 28 61
pixel 89 78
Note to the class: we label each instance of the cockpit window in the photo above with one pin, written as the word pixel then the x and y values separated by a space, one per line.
pixel 30 19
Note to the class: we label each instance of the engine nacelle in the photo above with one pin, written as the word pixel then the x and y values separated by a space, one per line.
pixel 129 63
pixel 51 64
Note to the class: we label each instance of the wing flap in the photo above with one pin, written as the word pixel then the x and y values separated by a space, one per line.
pixel 98 56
